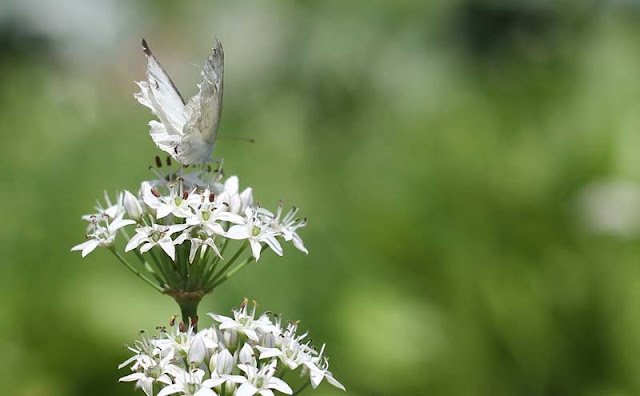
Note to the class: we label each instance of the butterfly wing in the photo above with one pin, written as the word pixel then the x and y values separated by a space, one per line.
pixel 160 95
pixel 203 111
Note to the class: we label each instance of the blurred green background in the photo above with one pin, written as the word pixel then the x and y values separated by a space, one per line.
pixel 470 173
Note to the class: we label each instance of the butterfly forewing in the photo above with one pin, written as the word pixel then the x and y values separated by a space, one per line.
pixel 163 92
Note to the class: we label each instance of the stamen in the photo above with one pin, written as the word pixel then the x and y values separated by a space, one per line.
pixel 172 321
pixel 185 195
pixel 158 162
pixel 212 196
pixel 181 327
pixel 168 161
pixel 155 193
pixel 244 303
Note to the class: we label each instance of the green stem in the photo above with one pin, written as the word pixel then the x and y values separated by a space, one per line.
pixel 189 312
pixel 232 272
pixel 229 263
pixel 165 270
pixel 135 271
pixel 300 389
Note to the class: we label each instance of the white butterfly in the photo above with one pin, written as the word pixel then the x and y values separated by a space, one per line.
pixel 187 131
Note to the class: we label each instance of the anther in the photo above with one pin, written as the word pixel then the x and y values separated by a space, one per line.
pixel 181 327
pixel 185 195
pixel 158 162
pixel 155 193
pixel 172 321
pixel 195 321
pixel 244 302
pixel 212 196
pixel 168 161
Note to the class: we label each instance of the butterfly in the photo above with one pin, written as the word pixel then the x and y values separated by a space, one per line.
pixel 185 130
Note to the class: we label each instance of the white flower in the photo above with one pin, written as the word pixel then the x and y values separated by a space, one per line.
pixel 318 370
pixel 291 351
pixel 175 203
pixel 155 235
pixel 244 322
pixel 256 231
pixel 288 225
pixel 210 211
pixel 184 362
pixel 152 372
pixel 111 211
pixel 191 383
pixel 132 206
pixel 197 237
pixel 103 235
pixel 260 381
pixel 238 202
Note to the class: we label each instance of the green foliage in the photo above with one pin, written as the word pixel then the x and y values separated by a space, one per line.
pixel 439 183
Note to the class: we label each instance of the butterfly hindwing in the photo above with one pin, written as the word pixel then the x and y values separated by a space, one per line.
pixel 186 131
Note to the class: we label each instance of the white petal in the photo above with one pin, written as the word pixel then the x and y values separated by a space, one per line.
pixel 246 389
pixel 135 241
pixel 231 217
pixel 163 210
pixel 297 242
pixel 197 350
pixel 231 185
pixel 269 352
pixel 169 390
pixel 280 385
pixel 238 379
pixel 274 245
pixel 316 377
pixel 335 382
pixel 146 247
pixel 147 386
pixel 147 196
pixel 167 245
pixel 126 362
pixel 120 223
pixel 218 318
pixel 132 377
pixel 83 245
pixel 238 232
pixel 213 382
pixel 205 392
pixel 256 247
pixel 90 247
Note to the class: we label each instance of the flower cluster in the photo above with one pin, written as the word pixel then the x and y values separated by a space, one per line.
pixel 189 214
pixel 242 356
pixel 195 207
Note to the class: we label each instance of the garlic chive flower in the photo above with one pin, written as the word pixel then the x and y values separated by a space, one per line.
pixel 103 233
pixel 155 235
pixel 188 230
pixel 184 362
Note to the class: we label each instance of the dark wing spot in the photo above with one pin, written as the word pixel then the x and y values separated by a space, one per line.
pixel 145 47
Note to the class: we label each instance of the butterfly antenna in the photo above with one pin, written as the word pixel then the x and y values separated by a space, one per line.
pixel 244 139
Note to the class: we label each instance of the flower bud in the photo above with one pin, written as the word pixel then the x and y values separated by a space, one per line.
pixel 132 206
pixel 246 355
pixel 230 339
pixel 197 351
pixel 222 362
